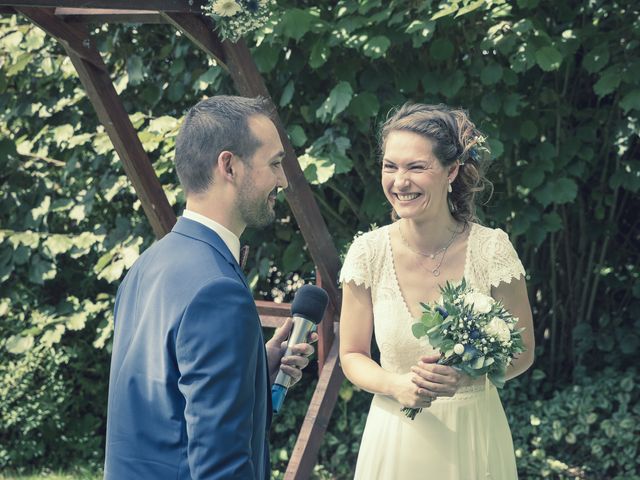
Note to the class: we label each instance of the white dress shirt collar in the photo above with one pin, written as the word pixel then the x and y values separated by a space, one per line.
pixel 228 237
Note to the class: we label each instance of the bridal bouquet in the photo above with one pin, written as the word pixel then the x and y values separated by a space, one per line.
pixel 473 332
pixel 236 18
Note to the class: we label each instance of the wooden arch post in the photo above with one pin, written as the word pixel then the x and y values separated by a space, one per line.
pixel 63 20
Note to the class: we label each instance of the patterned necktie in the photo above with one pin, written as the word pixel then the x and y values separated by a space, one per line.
pixel 244 254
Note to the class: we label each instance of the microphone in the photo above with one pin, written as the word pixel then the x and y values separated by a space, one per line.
pixel 307 310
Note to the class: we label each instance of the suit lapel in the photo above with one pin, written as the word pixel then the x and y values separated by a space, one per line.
pixel 198 231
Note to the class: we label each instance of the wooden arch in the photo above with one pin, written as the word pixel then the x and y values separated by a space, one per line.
pixel 65 20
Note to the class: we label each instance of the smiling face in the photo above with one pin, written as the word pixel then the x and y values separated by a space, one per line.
pixel 262 175
pixel 413 179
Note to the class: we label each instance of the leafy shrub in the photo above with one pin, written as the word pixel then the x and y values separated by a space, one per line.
pixel 590 429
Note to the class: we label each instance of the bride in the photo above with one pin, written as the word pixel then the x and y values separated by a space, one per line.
pixel 431 171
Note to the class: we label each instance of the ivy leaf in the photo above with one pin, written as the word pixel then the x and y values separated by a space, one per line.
pixel 376 47
pixel 528 130
pixel 608 82
pixel 511 104
pixel 491 102
pixel 19 65
pixel 336 102
pixel 287 94
pixel 445 11
pixel 62 133
pixel 364 105
pixel 562 190
pixel 596 59
pixel 491 74
pixel 496 147
pixel 41 270
pixel 296 22
pixel 420 31
pixel 266 56
pixel 113 271
pixel 552 221
pixel 52 335
pixel 452 85
pixel 317 170
pixel 319 54
pixel 297 135
pixel 163 124
pixel 532 177
pixel 292 258
pixel 135 70
pixel 441 49
pixel 470 7
pixel 548 58
pixel 57 244
pixel 209 77
pixel 76 321
pixel 631 101
pixel 18 344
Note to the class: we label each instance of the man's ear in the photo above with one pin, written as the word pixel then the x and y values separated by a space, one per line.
pixel 227 165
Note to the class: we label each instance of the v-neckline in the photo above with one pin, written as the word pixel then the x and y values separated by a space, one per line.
pixel 395 273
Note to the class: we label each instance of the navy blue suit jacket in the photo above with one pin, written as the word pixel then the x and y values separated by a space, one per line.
pixel 189 387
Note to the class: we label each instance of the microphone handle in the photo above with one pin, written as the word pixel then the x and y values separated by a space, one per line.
pixel 299 333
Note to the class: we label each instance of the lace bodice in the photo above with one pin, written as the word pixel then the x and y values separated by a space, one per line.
pixel 490 260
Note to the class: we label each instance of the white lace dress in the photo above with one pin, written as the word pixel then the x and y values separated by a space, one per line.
pixel 464 437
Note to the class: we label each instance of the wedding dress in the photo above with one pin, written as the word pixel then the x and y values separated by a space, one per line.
pixel 464 437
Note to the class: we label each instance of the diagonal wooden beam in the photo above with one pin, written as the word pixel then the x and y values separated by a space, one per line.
pixel 305 451
pixel 100 90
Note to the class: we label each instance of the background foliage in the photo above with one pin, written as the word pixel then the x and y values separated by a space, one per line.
pixel 555 86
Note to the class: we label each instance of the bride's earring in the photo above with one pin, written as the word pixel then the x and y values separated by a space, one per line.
pixel 449 189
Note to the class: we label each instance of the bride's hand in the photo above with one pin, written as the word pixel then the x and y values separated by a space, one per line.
pixel 438 380
pixel 408 394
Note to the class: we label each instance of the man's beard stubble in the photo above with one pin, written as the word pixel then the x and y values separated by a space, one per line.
pixel 255 212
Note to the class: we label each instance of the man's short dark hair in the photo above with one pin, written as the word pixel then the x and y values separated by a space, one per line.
pixel 210 127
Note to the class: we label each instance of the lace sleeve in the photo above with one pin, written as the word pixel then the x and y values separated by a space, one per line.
pixel 356 266
pixel 505 262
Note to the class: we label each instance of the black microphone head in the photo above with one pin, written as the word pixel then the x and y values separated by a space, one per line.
pixel 310 302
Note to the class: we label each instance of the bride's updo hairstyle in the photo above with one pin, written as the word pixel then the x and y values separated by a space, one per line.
pixel 454 138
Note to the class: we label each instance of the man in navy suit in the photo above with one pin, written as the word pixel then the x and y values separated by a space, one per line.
pixel 189 387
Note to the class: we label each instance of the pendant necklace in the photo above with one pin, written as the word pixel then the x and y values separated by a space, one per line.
pixel 435 271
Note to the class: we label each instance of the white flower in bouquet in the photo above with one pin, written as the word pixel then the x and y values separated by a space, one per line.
pixel 499 329
pixel 226 8
pixel 481 303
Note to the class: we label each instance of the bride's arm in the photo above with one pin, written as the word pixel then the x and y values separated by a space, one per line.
pixel 356 329
pixel 514 297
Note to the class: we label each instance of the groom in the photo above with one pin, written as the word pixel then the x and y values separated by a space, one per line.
pixel 189 387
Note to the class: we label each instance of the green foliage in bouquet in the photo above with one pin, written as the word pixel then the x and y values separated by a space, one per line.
pixel 473 332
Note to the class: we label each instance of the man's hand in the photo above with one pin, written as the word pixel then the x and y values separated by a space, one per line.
pixel 293 364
